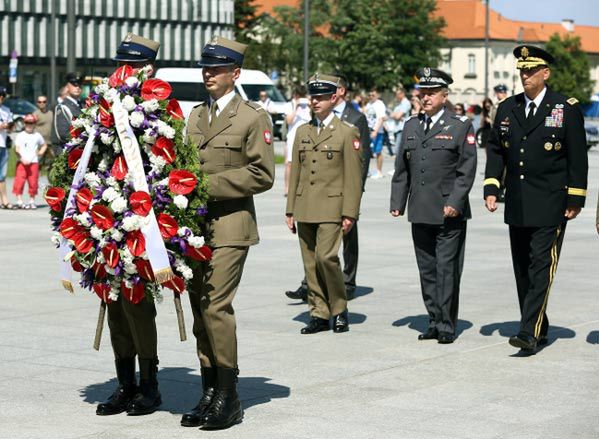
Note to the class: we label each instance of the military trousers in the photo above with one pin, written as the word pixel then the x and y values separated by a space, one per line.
pixel 535 254
pixel 213 288
pixel 133 329
pixel 319 244
pixel 440 257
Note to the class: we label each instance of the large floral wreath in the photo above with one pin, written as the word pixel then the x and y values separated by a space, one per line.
pixel 127 199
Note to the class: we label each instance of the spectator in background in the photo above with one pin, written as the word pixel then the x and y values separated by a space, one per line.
pixel 45 118
pixel 486 122
pixel 297 114
pixel 416 106
pixel 357 101
pixel 5 127
pixel 459 109
pixel 400 113
pixel 29 146
pixel 66 109
pixel 474 113
pixel 376 113
pixel 266 103
pixel 501 95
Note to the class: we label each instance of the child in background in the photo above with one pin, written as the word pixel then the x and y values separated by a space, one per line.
pixel 29 146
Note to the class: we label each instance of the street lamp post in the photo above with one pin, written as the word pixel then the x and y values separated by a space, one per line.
pixel 487 48
pixel 71 26
pixel 306 38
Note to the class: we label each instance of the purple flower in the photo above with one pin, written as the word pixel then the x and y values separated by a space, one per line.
pixel 202 211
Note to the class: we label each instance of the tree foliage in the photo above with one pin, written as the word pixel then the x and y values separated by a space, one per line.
pixel 570 75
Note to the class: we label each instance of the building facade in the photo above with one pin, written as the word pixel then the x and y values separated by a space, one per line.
pixel 182 27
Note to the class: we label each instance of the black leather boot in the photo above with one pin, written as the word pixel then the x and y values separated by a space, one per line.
pixel 195 417
pixel 147 399
pixel 225 409
pixel 124 393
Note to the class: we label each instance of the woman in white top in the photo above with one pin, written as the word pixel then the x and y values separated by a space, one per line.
pixel 297 114
pixel 30 146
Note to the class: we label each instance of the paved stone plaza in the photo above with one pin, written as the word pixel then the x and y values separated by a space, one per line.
pixel 377 381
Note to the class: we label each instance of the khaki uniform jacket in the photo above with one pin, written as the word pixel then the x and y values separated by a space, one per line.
pixel 325 182
pixel 237 155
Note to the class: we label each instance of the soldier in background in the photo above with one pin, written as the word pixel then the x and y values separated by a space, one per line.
pixel 435 171
pixel 538 139
pixel 234 140
pixel 325 189
pixel 66 109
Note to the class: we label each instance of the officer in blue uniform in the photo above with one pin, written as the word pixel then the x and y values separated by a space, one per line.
pixel 538 138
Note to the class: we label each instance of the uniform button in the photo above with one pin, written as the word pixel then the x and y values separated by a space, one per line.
pixel 524 138
pixel 522 177
pixel 312 183
pixel 226 143
pixel 422 170
pixel 313 172
pixel 423 157
pixel 313 161
pixel 522 150
pixel 203 147
pixel 422 183
pixel 201 161
pixel 424 145
pixel 521 163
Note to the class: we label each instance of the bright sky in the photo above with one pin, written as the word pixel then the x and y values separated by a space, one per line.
pixel 551 11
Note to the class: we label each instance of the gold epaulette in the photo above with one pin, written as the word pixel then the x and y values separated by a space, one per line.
pixel 572 101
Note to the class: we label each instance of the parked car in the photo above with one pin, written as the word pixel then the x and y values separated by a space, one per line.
pixel 19 108
pixel 592 132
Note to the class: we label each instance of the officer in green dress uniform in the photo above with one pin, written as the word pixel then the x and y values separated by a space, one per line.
pixel 538 138
pixel 325 189
pixel 133 326
pixel 234 141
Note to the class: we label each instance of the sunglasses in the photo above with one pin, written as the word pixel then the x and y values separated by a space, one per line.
pixel 42 102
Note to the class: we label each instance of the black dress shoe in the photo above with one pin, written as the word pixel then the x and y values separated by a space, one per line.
pixel 542 340
pixel 445 338
pixel 341 322
pixel 523 341
pixel 148 398
pixel 122 396
pixel 300 294
pixel 315 325
pixel 225 409
pixel 430 334
pixel 195 417
pixel 350 293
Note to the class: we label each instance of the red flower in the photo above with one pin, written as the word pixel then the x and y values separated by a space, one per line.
pixel 164 148
pixel 74 157
pixel 181 182
pixel 89 102
pixel 155 89
pixel 83 241
pixel 69 228
pixel 119 75
pixel 204 253
pixel 174 109
pixel 141 203
pixel 54 197
pixel 136 242
pixel 111 254
pixel 102 216
pixel 176 284
pixel 102 291
pixel 99 270
pixel 83 198
pixel 76 265
pixel 75 132
pixel 167 225
pixel 144 269
pixel 134 294
pixel 106 117
pixel 119 168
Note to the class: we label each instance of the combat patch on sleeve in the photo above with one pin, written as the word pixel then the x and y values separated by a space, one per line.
pixel 471 139
pixel 356 144
pixel 572 101
pixel 267 137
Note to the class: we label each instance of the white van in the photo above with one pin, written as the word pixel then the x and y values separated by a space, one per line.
pixel 188 89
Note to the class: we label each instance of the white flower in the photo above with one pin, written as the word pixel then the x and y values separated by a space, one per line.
pixel 96 232
pixel 116 146
pixel 180 201
pixel 55 238
pixel 111 94
pixel 111 181
pixel 196 241
pixel 103 165
pixel 136 118
pixel 100 258
pixel 116 234
pixel 102 89
pixel 158 297
pixel 109 194
pixel 126 255
pixel 148 137
pixel 131 223
pixel 165 130
pixel 118 204
pixel 150 106
pixel 92 179
pixel 183 230
pixel 78 123
pixel 102 243
pixel 182 268
pixel 128 283
pixel 95 148
pixel 132 81
pixel 109 270
pixel 158 163
pixel 106 138
pixel 84 219
pixel 129 102
pixel 130 268
pixel 113 295
pixel 76 141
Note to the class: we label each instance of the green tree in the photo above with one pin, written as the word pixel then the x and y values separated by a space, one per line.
pixel 570 75
pixel 245 17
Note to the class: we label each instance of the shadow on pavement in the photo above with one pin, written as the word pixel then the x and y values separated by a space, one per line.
pixel 180 388
pixel 420 323
pixel 354 318
pixel 507 329
pixel 593 337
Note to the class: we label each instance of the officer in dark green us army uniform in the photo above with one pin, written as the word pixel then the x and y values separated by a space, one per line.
pixel 538 138
pixel 133 326
pixel 433 175
pixel 325 189
pixel 234 141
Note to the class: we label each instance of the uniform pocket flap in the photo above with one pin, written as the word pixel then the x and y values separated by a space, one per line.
pixel 329 147
pixel 227 141
pixel 450 146
pixel 334 192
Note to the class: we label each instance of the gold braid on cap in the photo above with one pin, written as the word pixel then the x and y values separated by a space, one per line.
pixel 530 62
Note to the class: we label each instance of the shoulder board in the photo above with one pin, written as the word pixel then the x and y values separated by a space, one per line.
pixel 348 124
pixel 412 117
pixel 460 118
pixel 572 101
pixel 199 104
pixel 253 105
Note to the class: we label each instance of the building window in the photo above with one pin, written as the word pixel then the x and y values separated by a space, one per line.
pixel 471 66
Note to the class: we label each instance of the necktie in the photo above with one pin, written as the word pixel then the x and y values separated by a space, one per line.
pixel 531 111
pixel 429 122
pixel 213 109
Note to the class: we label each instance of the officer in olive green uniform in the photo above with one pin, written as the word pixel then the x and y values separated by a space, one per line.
pixel 325 189
pixel 133 326
pixel 234 142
